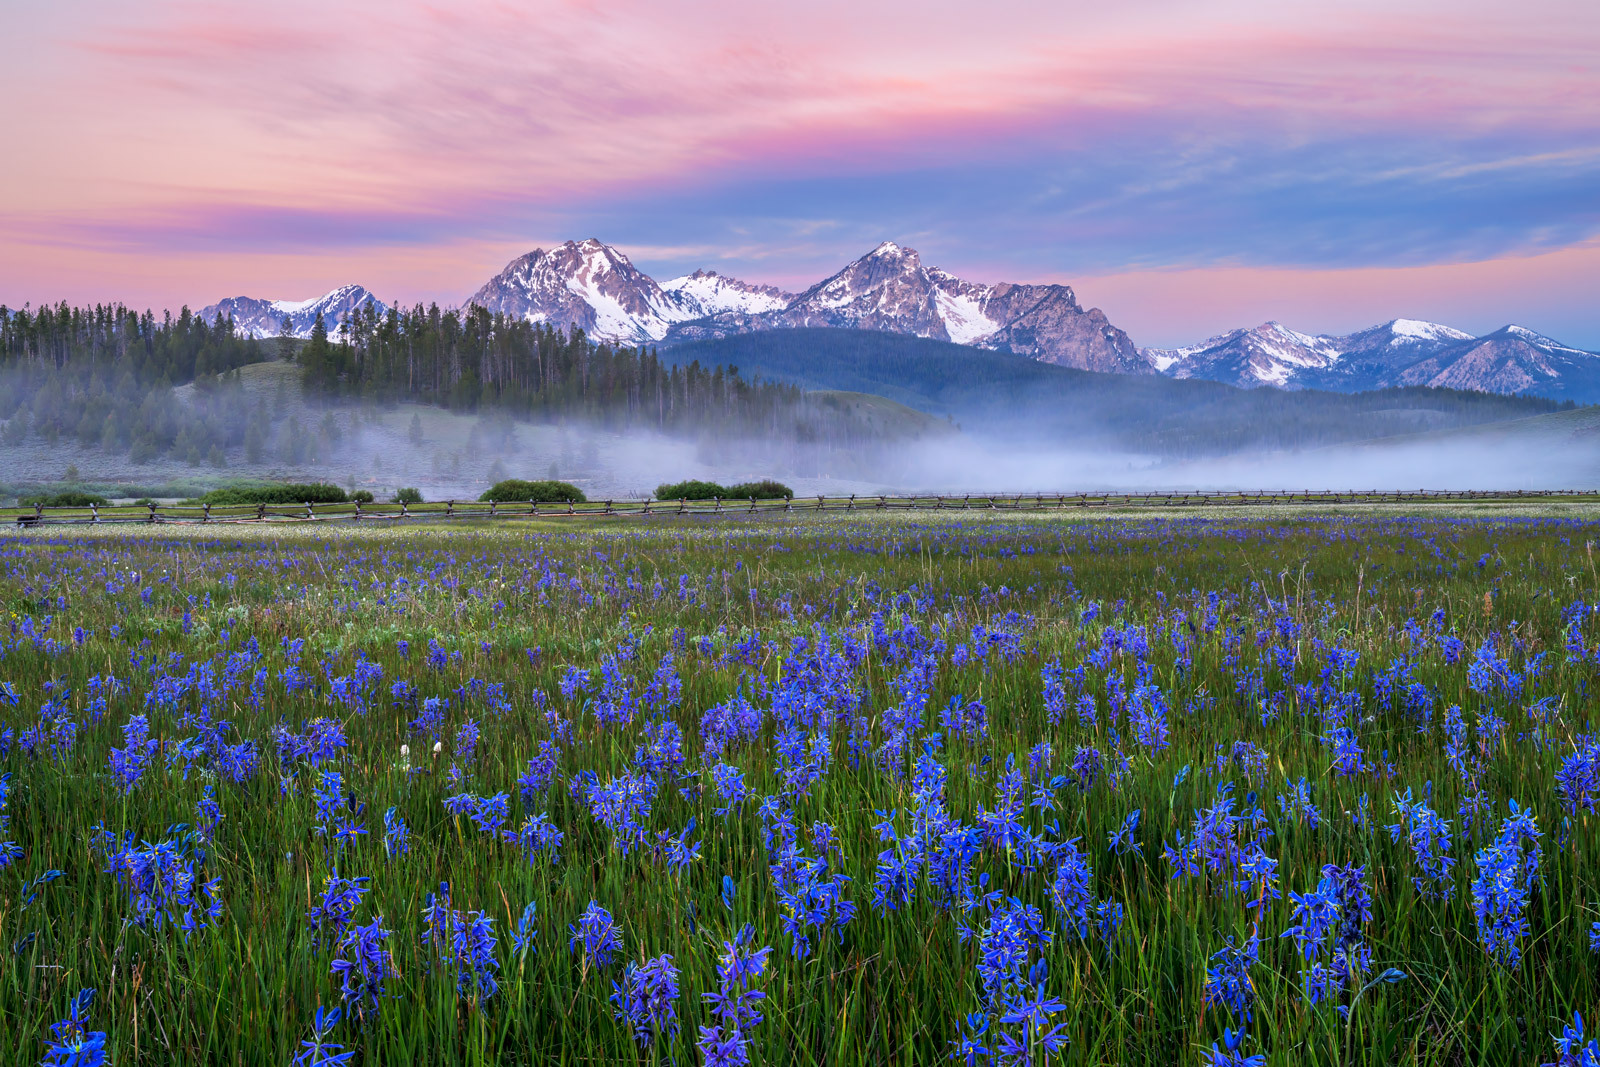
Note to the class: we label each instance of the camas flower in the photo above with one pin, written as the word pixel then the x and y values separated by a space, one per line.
pixel 597 932
pixel 362 963
pixel 1228 977
pixel 1508 869
pixel 71 1042
pixel 647 999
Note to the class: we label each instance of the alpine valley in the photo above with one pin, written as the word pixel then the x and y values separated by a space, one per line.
pixel 596 288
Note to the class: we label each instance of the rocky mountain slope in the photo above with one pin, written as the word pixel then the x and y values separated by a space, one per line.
pixel 890 290
pixel 595 287
pixel 253 317
pixel 1398 353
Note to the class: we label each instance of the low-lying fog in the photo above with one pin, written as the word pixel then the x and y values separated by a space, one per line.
pixel 450 456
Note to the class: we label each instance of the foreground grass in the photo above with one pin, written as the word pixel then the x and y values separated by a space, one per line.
pixel 981 606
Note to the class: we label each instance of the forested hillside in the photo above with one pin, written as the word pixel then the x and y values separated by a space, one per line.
pixel 105 377
pixel 1013 396
pixel 474 359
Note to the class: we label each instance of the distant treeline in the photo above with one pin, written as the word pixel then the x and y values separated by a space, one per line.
pixel 1016 397
pixel 473 359
pixel 103 376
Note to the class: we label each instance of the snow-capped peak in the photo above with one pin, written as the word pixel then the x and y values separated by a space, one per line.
pixel 1540 340
pixel 1277 331
pixel 595 287
pixel 253 317
pixel 705 293
pixel 1415 329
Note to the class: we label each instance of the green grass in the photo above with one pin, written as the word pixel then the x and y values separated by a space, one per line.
pixel 894 990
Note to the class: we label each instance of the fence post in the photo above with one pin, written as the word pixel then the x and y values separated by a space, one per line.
pixel 608 507
pixel 569 507
pixel 358 511
pixel 449 509
pixel 261 511
pixel 38 511
pixel 647 507
pixel 94 512
pixel 405 510
pixel 752 504
pixel 207 516
pixel 152 517
pixel 492 505
pixel 852 505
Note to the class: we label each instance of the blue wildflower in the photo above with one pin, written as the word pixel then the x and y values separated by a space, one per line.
pixel 647 999
pixel 71 1042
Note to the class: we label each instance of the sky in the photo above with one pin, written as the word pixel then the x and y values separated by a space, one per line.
pixel 1190 166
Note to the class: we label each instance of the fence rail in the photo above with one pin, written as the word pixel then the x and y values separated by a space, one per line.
pixel 452 510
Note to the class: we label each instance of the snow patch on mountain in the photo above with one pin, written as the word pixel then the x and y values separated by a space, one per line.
pixel 1401 352
pixel 253 317
pixel 963 317
pixel 705 293
pixel 1415 329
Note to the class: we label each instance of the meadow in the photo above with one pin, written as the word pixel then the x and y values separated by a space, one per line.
pixel 1223 790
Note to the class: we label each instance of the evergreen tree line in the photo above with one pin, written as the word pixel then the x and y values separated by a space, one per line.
pixel 104 376
pixel 474 360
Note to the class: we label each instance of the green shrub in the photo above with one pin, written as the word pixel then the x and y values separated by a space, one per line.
pixel 408 496
pixel 72 498
pixel 361 496
pixel 689 490
pixel 765 489
pixel 314 493
pixel 515 490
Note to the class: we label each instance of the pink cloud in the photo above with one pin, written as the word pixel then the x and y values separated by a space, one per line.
pixel 1176 307
pixel 546 103
pixel 248 114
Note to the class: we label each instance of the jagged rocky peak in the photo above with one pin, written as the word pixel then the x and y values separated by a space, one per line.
pixel 1395 353
pixel 254 317
pixel 705 293
pixel 587 284
pixel 593 286
pixel 891 289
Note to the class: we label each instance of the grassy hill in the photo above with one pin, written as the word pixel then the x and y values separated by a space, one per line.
pixel 1012 396
pixel 889 419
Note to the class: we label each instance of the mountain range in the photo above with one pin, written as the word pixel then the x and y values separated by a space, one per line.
pixel 595 287
pixel 265 318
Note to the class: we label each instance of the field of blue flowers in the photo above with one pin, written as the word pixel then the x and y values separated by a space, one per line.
pixel 1209 791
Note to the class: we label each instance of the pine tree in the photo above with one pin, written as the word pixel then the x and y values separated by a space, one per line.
pixel 286 340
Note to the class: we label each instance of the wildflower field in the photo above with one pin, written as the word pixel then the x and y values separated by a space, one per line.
pixel 1225 790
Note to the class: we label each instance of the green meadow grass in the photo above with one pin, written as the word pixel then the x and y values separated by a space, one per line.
pixel 895 989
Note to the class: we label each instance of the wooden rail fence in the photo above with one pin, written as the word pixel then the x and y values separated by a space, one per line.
pixel 449 510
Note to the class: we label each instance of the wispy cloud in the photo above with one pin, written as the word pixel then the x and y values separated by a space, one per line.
pixel 1025 139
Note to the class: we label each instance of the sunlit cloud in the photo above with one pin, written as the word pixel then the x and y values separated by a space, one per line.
pixel 1019 141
